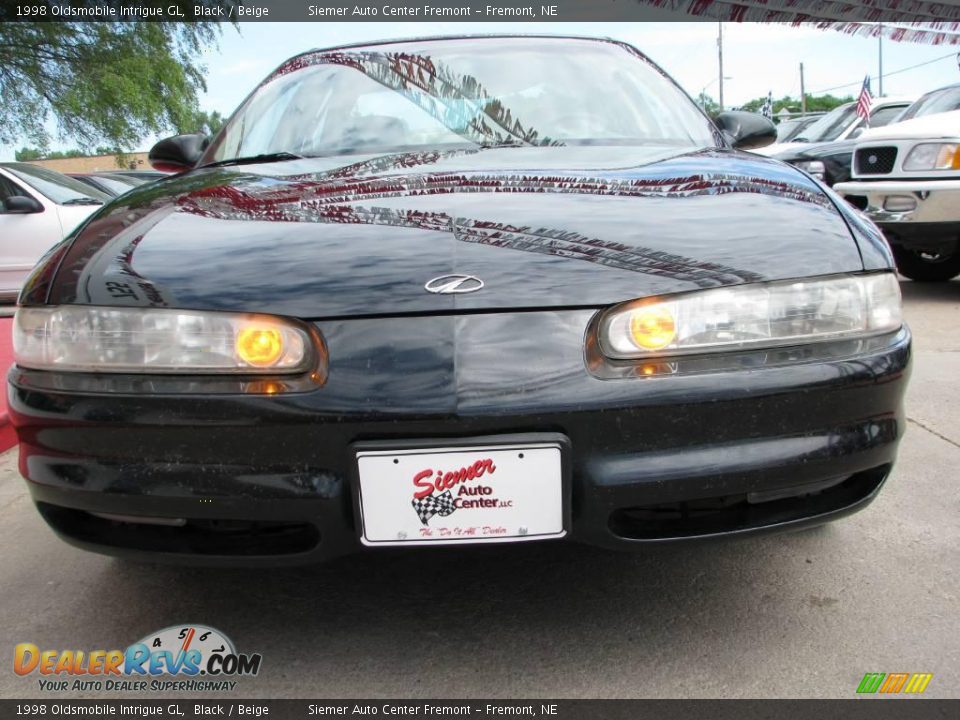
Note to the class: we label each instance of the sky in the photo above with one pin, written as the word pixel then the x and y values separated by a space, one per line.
pixel 759 58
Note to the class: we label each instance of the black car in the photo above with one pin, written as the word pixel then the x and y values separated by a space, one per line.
pixel 829 162
pixel 791 127
pixel 452 291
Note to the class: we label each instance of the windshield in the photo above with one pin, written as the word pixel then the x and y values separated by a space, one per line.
pixel 886 115
pixel 119 185
pixel 831 125
pixel 59 188
pixel 938 101
pixel 473 92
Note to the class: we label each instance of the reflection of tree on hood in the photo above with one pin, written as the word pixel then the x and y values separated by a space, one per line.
pixel 476 114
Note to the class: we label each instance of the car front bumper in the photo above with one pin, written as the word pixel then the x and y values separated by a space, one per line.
pixel 187 471
pixel 933 221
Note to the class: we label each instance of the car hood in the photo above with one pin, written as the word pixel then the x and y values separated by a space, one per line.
pixel 541 227
pixel 938 125
pixel 777 148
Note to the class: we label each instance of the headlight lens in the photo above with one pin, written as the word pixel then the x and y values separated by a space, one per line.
pixel 753 316
pixel 80 338
pixel 933 156
pixel 814 167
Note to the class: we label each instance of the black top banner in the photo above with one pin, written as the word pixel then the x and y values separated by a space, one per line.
pixel 832 12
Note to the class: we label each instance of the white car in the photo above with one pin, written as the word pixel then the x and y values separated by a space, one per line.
pixel 842 123
pixel 38 208
pixel 906 178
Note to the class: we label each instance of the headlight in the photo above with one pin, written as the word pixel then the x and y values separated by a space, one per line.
pixel 753 316
pixel 81 338
pixel 933 156
pixel 814 167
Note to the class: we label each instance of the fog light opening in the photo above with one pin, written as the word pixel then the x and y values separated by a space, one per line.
pixel 900 203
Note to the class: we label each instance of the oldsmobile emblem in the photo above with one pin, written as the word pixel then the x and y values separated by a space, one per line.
pixel 452 284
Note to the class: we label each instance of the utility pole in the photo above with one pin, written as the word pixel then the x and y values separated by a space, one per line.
pixel 720 58
pixel 880 45
pixel 803 93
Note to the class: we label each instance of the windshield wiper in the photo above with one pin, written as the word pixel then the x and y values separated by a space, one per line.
pixel 489 144
pixel 254 159
pixel 82 201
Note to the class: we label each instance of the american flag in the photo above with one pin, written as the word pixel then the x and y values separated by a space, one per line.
pixel 864 101
pixel 767 109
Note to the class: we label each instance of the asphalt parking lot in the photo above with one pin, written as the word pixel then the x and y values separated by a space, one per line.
pixel 800 615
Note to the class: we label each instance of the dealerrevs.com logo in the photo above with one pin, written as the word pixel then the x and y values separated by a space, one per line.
pixel 180 657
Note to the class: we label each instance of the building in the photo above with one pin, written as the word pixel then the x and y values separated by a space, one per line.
pixel 96 163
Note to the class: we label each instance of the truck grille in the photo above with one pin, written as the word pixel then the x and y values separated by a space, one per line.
pixel 875 160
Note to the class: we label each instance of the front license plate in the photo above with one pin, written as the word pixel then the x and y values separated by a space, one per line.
pixel 448 495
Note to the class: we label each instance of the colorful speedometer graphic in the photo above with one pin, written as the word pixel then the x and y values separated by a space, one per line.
pixel 181 639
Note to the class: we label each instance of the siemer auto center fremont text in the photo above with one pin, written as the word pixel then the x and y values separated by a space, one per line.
pixel 429 11
pixel 428 709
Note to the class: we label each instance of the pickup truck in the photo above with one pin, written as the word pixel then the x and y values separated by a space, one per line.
pixel 906 178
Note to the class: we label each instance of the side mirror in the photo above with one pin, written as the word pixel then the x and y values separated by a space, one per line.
pixel 857 133
pixel 21 205
pixel 178 153
pixel 745 130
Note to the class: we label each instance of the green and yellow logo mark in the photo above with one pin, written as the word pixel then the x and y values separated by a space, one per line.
pixel 914 683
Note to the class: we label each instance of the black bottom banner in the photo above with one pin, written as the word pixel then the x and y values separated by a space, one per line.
pixel 858 709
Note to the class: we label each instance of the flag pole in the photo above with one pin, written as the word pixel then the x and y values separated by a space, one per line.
pixel 880 74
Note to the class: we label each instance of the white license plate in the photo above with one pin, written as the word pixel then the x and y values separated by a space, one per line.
pixel 496 493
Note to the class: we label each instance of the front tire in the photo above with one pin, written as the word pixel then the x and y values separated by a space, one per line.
pixel 923 266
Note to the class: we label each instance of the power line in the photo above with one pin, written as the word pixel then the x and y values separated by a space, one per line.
pixel 886 75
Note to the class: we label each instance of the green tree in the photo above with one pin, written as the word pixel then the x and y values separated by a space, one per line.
pixel 710 106
pixel 27 154
pixel 207 122
pixel 102 82
pixel 815 103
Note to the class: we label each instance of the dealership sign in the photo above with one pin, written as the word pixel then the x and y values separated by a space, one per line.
pixel 175 658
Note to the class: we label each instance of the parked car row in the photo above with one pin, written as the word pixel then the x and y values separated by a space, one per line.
pixel 902 170
pixel 117 182
pixel 39 207
pixel 906 178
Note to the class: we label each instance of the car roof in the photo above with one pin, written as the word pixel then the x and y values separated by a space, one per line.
pixel 466 36
pixel 894 100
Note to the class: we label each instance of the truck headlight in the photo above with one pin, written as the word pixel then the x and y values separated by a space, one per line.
pixel 752 316
pixel 82 338
pixel 933 156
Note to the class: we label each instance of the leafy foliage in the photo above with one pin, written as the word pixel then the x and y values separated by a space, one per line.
pixel 815 103
pixel 26 154
pixel 208 123
pixel 710 106
pixel 101 81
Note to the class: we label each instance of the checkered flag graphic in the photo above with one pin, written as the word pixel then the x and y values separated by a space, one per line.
pixel 429 506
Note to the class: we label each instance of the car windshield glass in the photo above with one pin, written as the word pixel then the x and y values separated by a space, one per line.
pixel 56 186
pixel 831 125
pixel 474 92
pixel 787 128
pixel 938 101
pixel 885 115
pixel 117 185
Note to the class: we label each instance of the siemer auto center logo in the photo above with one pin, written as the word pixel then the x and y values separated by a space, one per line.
pixel 177 658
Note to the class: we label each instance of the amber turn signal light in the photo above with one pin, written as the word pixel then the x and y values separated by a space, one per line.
pixel 260 347
pixel 652 327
